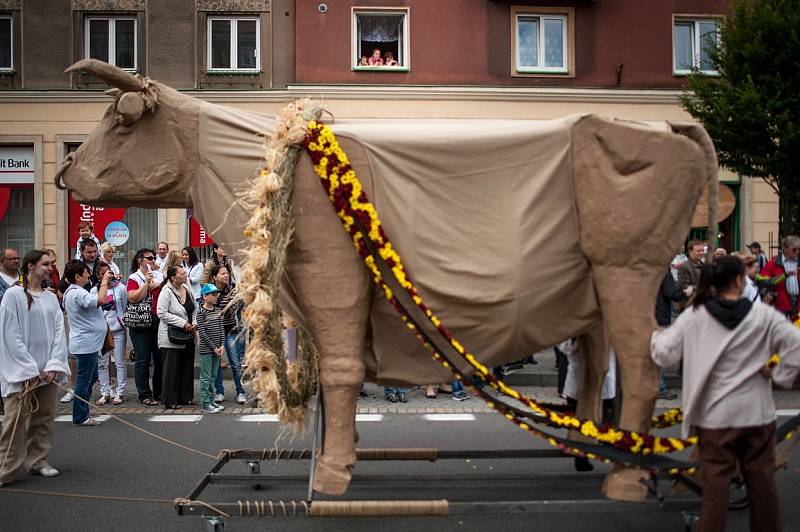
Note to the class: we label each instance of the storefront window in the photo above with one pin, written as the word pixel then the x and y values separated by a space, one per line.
pixel 17 224
pixel 16 217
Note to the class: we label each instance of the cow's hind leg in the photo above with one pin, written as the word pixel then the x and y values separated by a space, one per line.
pixel 626 301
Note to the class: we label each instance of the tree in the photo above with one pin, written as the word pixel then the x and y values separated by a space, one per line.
pixel 752 108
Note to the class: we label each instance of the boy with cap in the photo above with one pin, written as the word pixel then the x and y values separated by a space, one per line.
pixel 212 345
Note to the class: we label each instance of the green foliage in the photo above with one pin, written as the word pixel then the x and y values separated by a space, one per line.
pixel 752 108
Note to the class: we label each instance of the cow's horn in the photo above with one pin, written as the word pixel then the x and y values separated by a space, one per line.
pixel 112 75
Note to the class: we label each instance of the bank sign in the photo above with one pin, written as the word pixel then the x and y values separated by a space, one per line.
pixel 16 165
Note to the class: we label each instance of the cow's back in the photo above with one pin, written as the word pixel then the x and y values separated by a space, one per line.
pixel 482 214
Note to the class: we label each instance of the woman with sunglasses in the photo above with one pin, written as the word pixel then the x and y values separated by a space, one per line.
pixel 143 286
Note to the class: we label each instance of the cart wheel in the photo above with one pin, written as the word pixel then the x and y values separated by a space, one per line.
pixel 214 524
pixel 738 498
pixel 255 468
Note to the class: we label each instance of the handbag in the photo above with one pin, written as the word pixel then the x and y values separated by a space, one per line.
pixel 108 342
pixel 139 315
pixel 179 335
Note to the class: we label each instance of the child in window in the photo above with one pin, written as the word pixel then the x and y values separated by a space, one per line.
pixel 389 60
pixel 375 59
pixel 363 61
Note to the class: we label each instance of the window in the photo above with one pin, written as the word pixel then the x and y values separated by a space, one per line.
pixel 113 40
pixel 542 41
pixel 6 43
pixel 380 40
pixel 233 43
pixel 693 39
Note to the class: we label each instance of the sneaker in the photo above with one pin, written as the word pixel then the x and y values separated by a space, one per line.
pixel 68 397
pixel 209 409
pixel 402 397
pixel 391 397
pixel 90 422
pixel 219 408
pixel 219 398
pixel 512 368
pixel 460 395
pixel 47 471
pixel 241 399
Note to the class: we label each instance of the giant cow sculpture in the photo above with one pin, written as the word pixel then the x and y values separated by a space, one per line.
pixel 518 233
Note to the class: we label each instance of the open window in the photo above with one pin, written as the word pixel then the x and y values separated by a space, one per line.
pixel 693 39
pixel 113 40
pixel 233 44
pixel 380 39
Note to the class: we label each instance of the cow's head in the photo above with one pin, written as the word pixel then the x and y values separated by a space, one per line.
pixel 143 153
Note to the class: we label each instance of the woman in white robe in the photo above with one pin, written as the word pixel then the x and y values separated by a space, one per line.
pixel 33 356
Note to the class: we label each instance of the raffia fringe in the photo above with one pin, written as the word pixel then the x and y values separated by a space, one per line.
pixel 283 389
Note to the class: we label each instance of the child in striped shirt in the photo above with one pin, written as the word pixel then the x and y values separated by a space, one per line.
pixel 212 345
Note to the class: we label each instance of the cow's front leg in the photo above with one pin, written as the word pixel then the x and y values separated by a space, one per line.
pixel 626 302
pixel 341 380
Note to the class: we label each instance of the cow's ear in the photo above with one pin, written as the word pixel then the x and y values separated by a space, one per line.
pixel 130 108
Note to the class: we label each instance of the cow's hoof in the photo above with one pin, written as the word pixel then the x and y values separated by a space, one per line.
pixel 331 481
pixel 624 484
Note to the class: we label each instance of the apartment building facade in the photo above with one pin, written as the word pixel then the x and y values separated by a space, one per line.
pixel 443 58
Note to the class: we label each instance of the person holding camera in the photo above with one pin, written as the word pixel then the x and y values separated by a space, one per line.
pixel 142 323
pixel 114 310
pixel 87 333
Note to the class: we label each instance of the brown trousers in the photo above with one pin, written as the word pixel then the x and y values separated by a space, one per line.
pixel 34 434
pixel 753 448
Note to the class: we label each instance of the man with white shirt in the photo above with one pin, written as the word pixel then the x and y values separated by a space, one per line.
pixel 9 270
pixel 781 273
pixel 162 250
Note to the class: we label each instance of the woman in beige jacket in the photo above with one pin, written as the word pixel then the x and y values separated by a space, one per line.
pixel 726 342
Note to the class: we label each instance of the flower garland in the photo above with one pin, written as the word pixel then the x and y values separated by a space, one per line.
pixel 350 203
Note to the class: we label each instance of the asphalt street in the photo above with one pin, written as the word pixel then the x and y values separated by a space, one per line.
pixel 114 460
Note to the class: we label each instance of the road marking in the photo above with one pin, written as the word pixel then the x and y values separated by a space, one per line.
pixel 449 417
pixel 259 418
pixel 788 413
pixel 68 417
pixel 369 417
pixel 176 418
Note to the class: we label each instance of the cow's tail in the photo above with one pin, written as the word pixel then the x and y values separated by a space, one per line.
pixel 698 134
pixel 282 388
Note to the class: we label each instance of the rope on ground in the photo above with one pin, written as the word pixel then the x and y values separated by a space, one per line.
pixel 140 429
pixel 84 496
pixel 178 501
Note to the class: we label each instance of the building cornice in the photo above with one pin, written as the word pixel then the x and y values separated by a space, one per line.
pixel 380 92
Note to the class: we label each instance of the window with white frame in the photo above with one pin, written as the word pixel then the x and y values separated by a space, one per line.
pixel 6 43
pixel 113 40
pixel 233 43
pixel 693 41
pixel 380 39
pixel 541 43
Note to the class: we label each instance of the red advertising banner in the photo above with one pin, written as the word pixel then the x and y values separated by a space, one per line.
pixel 99 217
pixel 198 237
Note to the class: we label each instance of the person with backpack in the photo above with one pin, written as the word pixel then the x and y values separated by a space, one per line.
pixel 726 343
